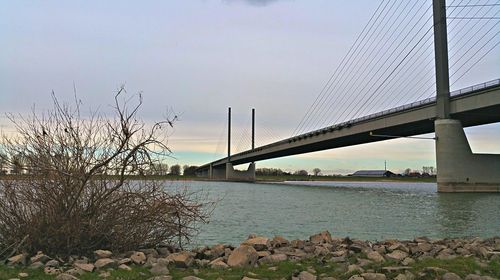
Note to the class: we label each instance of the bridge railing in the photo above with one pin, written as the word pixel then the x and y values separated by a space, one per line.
pixel 413 105
pixel 417 104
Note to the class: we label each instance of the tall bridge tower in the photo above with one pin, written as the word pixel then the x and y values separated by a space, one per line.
pixel 458 169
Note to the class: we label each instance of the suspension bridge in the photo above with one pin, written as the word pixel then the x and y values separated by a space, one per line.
pixel 395 82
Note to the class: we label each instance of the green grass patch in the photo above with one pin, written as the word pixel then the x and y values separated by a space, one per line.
pixel 283 270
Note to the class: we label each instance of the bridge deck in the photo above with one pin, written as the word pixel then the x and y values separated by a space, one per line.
pixel 476 105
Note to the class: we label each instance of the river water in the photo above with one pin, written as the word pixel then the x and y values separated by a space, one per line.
pixel 362 210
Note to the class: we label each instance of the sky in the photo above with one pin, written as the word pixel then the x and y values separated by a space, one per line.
pixel 197 58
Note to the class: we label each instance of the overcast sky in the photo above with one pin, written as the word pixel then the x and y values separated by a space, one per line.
pixel 197 58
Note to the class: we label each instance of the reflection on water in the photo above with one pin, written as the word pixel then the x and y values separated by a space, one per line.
pixel 364 210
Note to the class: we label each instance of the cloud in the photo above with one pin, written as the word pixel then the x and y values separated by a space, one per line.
pixel 258 3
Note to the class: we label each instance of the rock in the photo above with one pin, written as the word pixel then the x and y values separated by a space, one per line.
pixel 338 259
pixel 375 256
pixel 339 253
pixel 139 258
pixel 321 251
pixel 182 259
pixel 125 261
pixel 279 241
pixel 105 263
pixel 373 276
pixel 103 254
pixel 423 247
pixel 356 248
pixel 150 252
pixel 298 244
pixel 53 263
pixel 66 276
pixel 390 269
pixel 17 260
pixel 322 237
pixel 354 267
pixel 23 275
pixel 215 252
pixel 399 246
pixel 124 267
pixel 364 262
pixel 258 243
pixel 191 278
pixel 75 271
pixel 36 265
pixel 162 277
pixel 159 269
pixel 400 277
pixel 451 276
pixel 49 270
pixel 305 275
pixel 356 277
pixel 397 255
pixel 218 264
pixel 88 267
pixel 276 258
pixel 263 254
pixel 243 256
pixel 40 257
pixel 163 251
pixel 407 261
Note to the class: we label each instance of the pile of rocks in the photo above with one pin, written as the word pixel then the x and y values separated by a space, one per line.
pixel 351 255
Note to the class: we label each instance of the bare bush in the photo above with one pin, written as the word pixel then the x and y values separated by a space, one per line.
pixel 76 196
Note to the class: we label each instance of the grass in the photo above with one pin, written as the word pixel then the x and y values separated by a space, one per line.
pixel 461 266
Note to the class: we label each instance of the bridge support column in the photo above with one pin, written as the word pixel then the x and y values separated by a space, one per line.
pixel 458 169
pixel 237 175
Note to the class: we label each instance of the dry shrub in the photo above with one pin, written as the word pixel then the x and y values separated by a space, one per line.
pixel 76 194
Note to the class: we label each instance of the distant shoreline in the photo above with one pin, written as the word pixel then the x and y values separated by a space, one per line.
pixel 265 179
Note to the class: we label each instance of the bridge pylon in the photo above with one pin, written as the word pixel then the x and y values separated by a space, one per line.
pixel 226 171
pixel 458 169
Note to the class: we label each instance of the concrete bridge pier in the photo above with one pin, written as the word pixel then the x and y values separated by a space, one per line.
pixel 458 169
pixel 237 175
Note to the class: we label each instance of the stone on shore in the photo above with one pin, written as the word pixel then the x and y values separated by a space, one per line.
pixel 306 275
pixel 40 257
pixel 103 254
pixel 17 259
pixel 373 276
pixel 105 263
pixel 243 256
pixel 375 256
pixel 66 276
pixel 322 237
pixel 161 277
pixel 272 259
pixel 138 258
pixel 88 267
pixel 279 241
pixel 218 264
pixel 451 276
pixel 258 243
pixel 182 259
pixel 124 267
pixel 191 278
pixel 397 255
